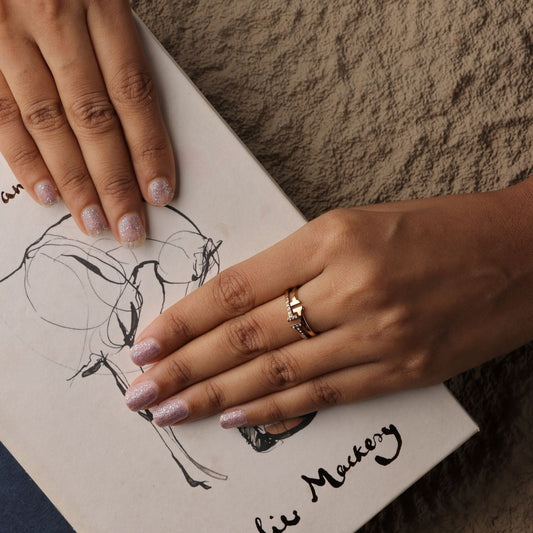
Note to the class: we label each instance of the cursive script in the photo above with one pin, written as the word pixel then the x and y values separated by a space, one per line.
pixel 7 196
pixel 355 457
pixel 286 523
pixel 357 454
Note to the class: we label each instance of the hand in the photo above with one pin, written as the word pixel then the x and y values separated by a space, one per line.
pixel 401 295
pixel 79 115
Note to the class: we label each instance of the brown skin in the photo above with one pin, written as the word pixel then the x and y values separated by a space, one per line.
pixel 404 295
pixel 78 108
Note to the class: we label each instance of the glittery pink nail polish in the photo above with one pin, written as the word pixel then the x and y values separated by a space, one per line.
pixel 131 230
pixel 94 221
pixel 144 352
pixel 46 192
pixel 233 419
pixel 170 412
pixel 141 395
pixel 160 191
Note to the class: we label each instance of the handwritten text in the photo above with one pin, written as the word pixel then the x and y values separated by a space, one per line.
pixel 7 196
pixel 353 459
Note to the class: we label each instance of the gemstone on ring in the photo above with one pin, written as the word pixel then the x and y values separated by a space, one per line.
pixel 295 313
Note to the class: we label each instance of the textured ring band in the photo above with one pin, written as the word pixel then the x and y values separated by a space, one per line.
pixel 295 312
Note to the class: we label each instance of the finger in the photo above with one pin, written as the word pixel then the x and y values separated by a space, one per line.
pixel 340 387
pixel 131 88
pixel 21 153
pixel 34 90
pixel 276 370
pixel 96 126
pixel 234 342
pixel 235 291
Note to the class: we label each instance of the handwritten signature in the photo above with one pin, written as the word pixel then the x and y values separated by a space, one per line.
pixel 356 455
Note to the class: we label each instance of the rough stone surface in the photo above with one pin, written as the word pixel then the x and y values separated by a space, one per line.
pixel 352 102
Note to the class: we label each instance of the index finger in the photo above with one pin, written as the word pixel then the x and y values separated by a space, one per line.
pixel 264 277
pixel 131 89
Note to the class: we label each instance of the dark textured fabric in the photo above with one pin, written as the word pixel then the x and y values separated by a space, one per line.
pixel 23 506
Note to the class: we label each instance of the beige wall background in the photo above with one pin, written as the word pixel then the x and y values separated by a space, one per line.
pixel 356 102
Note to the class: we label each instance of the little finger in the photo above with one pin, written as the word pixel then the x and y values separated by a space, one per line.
pixel 340 387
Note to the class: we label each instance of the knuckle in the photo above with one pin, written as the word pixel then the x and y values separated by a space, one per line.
pixel 133 86
pixel 324 394
pixel 74 181
pixel 396 322
pixel 50 9
pixel 178 372
pixel 118 186
pixel 233 292
pixel 9 111
pixel 46 115
pixel 280 369
pixel 338 226
pixel 151 151
pixel 214 395
pixel 94 114
pixel 24 156
pixel 178 326
pixel 273 410
pixel 417 367
pixel 244 336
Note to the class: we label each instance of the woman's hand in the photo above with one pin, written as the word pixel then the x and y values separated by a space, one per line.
pixel 79 115
pixel 401 295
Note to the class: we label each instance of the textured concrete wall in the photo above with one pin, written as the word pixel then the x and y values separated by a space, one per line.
pixel 355 102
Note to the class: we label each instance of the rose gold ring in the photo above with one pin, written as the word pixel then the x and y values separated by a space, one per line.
pixel 295 311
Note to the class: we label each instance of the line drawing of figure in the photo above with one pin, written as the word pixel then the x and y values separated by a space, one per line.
pixel 110 286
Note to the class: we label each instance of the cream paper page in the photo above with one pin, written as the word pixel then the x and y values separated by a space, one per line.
pixel 69 309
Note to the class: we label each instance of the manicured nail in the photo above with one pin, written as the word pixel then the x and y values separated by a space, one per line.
pixel 141 395
pixel 170 412
pixel 94 221
pixel 46 192
pixel 131 230
pixel 233 419
pixel 160 191
pixel 144 352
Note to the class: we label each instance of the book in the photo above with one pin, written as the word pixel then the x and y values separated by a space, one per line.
pixel 70 306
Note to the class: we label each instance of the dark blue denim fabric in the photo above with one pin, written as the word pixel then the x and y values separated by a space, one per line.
pixel 23 506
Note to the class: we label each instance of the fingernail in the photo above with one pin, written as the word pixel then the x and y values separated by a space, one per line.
pixel 170 412
pixel 144 352
pixel 46 192
pixel 94 221
pixel 131 230
pixel 233 419
pixel 141 395
pixel 160 191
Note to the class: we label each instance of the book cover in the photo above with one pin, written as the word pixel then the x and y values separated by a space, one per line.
pixel 69 304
